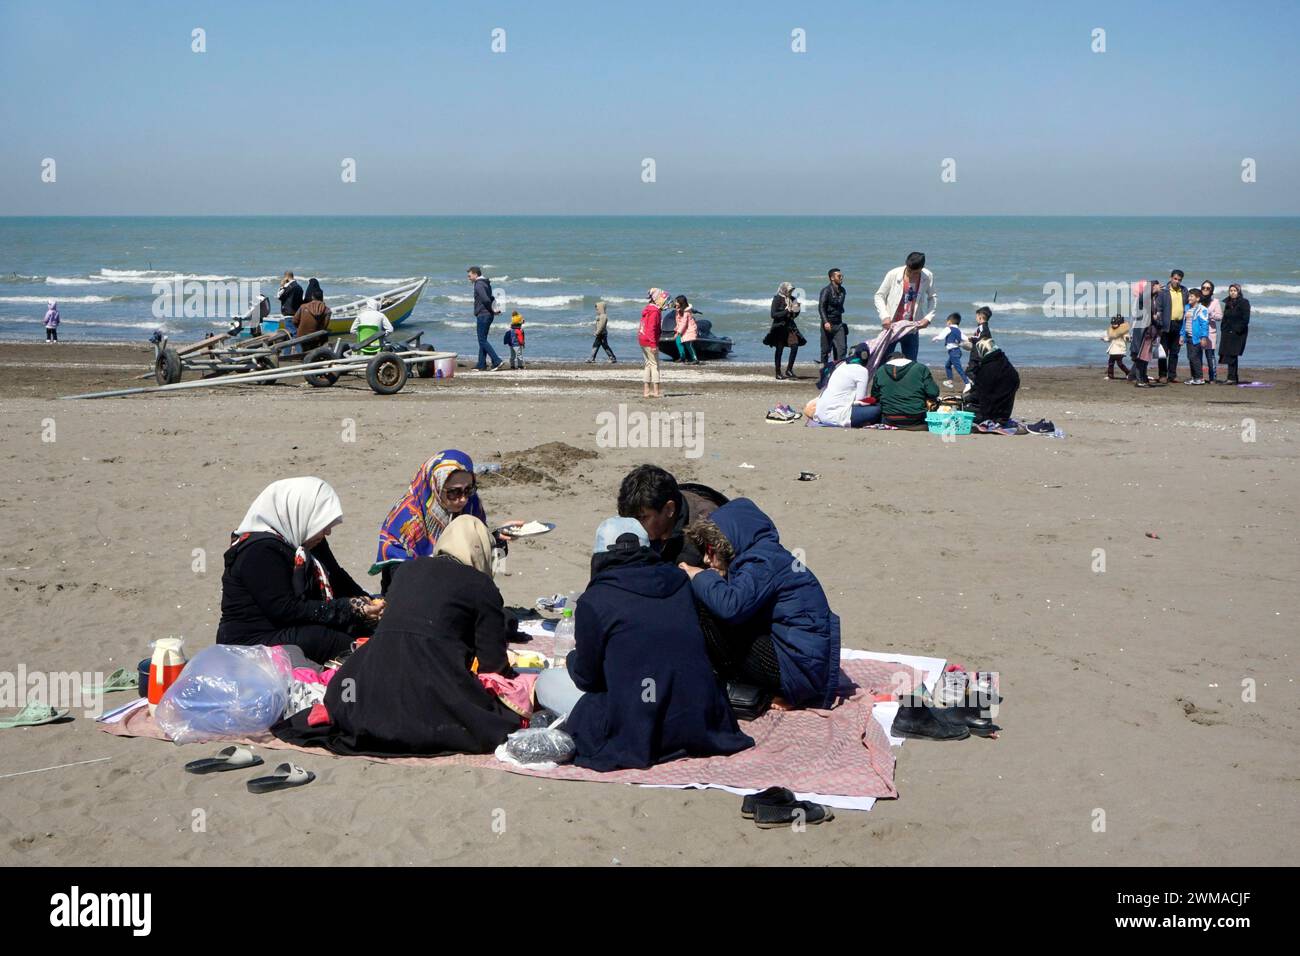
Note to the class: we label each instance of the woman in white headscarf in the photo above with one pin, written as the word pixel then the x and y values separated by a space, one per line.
pixel 281 583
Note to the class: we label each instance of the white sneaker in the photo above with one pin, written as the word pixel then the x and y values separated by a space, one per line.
pixel 947 383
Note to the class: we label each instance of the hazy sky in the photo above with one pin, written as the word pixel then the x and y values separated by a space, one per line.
pixel 736 122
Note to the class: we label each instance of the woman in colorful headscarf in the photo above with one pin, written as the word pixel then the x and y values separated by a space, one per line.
pixel 281 583
pixel 441 490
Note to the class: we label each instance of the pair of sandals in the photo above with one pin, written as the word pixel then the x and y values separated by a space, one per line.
pixel 777 807
pixel 237 757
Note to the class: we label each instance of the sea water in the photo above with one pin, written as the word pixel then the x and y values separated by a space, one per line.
pixel 1033 271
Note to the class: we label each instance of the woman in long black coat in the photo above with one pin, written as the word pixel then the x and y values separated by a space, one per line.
pixel 1233 329
pixel 784 333
pixel 410 689
pixel 996 383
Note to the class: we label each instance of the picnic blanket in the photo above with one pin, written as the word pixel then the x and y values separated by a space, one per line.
pixel 842 752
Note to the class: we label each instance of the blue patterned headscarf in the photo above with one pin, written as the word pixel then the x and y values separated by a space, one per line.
pixel 412 528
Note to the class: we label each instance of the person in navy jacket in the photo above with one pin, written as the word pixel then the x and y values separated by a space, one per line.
pixel 638 687
pixel 777 630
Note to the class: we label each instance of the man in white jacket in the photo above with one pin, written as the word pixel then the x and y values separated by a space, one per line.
pixel 907 294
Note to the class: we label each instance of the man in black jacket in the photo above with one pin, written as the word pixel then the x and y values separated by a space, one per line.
pixel 652 496
pixel 290 295
pixel 1171 303
pixel 483 316
pixel 830 309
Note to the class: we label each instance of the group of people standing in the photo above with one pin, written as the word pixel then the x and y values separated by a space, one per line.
pixel 688 590
pixel 303 311
pixel 1172 316
pixel 906 294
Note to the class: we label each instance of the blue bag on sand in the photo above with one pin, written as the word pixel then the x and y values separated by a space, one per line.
pixel 227 690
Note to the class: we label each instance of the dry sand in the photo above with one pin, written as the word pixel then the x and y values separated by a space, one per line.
pixel 1124 688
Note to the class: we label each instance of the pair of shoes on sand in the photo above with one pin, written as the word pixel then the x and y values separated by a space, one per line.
pixel 285 776
pixel 777 807
pixel 924 722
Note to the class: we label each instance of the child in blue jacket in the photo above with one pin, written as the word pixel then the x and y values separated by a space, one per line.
pixel 777 629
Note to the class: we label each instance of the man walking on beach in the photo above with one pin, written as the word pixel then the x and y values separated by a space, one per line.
pixel 485 309
pixel 830 309
pixel 1170 305
pixel 907 294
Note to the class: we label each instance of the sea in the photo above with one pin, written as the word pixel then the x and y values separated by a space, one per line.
pixel 1051 281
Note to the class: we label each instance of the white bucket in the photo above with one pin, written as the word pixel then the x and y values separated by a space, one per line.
pixel 444 367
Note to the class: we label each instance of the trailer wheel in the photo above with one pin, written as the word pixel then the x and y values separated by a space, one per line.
pixel 386 374
pixel 167 368
pixel 426 369
pixel 320 379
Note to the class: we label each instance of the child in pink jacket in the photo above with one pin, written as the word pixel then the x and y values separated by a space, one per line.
pixel 686 331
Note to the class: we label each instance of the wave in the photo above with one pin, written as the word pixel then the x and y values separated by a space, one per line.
pixel 1251 289
pixel 80 324
pixel 1274 309
pixel 619 299
pixel 43 299
pixel 358 280
pixel 1051 333
pixel 535 279
pixel 534 302
pixel 751 303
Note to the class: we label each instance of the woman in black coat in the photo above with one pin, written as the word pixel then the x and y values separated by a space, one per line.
pixel 411 688
pixel 996 383
pixel 639 688
pixel 784 333
pixel 281 583
pixel 1233 329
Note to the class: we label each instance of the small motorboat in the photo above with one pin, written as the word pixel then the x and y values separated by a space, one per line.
pixel 708 346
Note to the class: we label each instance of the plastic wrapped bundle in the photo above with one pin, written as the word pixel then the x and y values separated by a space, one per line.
pixel 226 690
pixel 540 745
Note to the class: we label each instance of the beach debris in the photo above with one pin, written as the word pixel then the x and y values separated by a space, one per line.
pixel 745 464
pixel 1152 534
pixel 808 476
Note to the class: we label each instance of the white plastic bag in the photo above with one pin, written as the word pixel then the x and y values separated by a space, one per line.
pixel 227 690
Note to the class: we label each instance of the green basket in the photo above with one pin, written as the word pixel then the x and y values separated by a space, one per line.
pixel 949 423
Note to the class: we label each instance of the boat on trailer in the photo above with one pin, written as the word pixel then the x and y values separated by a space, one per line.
pixel 396 303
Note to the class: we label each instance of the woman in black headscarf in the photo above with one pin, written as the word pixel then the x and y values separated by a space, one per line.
pixel 784 333
pixel 996 383
pixel 314 293
pixel 1233 329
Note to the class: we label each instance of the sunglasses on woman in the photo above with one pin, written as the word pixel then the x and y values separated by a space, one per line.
pixel 454 494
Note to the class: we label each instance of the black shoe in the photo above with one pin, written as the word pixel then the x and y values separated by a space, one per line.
pixel 972 717
pixel 925 723
pixel 768 816
pixel 776 796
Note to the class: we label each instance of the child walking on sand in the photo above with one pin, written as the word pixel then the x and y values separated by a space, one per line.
pixel 52 323
pixel 952 342
pixel 515 339
pixel 1117 343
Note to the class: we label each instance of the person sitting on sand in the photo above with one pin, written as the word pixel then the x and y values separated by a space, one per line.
pixel 665 509
pixel 412 688
pixel 906 391
pixel 845 402
pixel 775 629
pixel 443 488
pixel 281 583
pixel 638 687
pixel 996 382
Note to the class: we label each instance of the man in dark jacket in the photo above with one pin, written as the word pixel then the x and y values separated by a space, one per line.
pixel 483 316
pixel 649 693
pixel 291 295
pixel 665 509
pixel 1171 303
pixel 778 631
pixel 830 310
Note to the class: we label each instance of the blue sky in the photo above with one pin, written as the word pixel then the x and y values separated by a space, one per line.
pixel 735 121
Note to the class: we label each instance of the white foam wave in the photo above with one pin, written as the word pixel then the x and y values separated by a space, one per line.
pixel 752 303
pixel 529 302
pixel 75 280
pixel 535 279
pixel 1274 309
pixel 79 324
pixel 42 300
pixel 1252 289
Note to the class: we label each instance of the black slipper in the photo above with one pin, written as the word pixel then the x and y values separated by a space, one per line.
pixel 285 776
pixel 774 796
pixel 770 816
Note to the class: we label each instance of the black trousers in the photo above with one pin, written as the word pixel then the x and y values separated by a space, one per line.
pixel 794 350
pixel 1112 362
pixel 835 342
pixel 317 641
pixel 1172 340
pixel 740 654
pixel 601 341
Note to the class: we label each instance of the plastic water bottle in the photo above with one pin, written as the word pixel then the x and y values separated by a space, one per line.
pixel 565 639
pixel 487 468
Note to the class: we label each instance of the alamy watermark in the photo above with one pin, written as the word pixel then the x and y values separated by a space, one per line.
pixel 638 429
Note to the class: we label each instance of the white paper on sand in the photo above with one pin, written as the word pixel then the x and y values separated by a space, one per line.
pixel 535 628
pixel 118 714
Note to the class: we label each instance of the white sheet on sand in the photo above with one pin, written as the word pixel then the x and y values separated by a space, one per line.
pixel 883 713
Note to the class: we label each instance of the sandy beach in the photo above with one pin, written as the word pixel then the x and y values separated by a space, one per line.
pixel 1124 687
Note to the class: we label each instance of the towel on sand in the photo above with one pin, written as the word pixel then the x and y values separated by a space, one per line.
pixel 841 751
